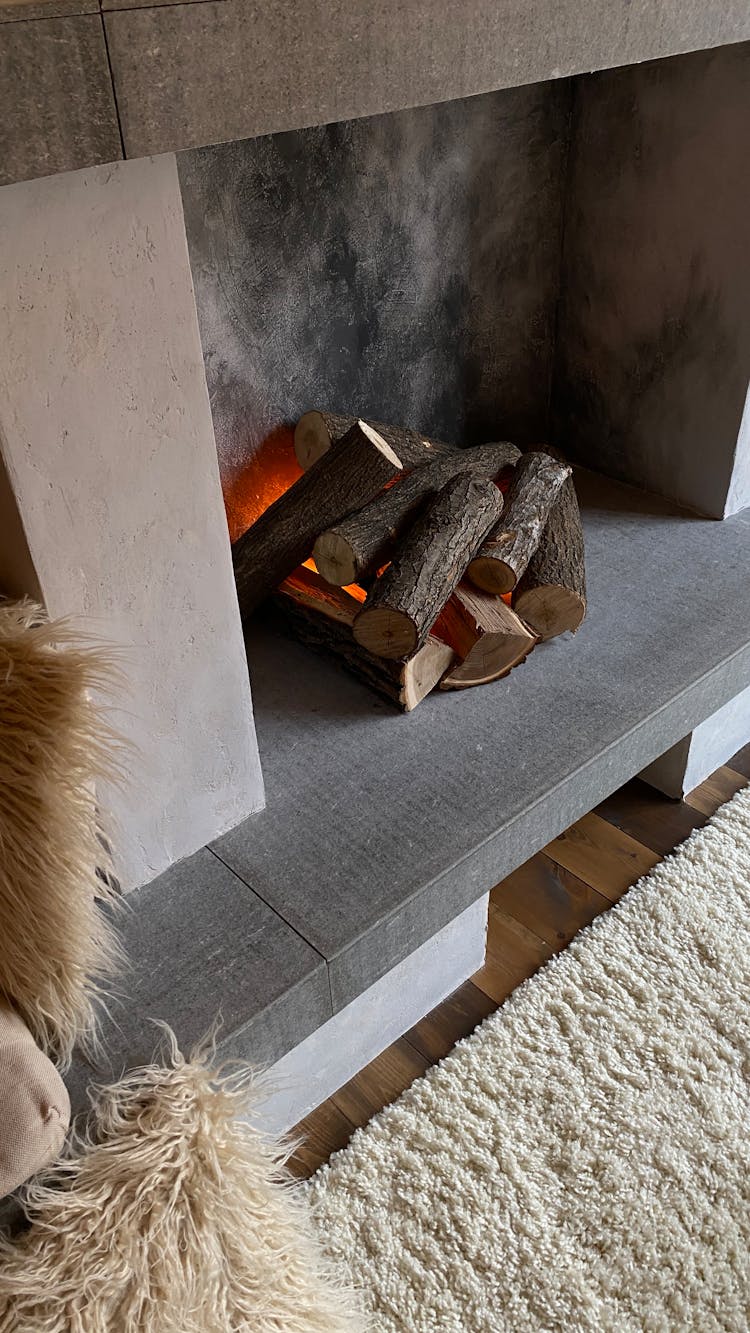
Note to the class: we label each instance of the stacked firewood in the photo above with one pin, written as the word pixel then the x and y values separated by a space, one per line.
pixel 397 554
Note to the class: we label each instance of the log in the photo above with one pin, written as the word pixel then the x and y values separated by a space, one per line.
pixel 316 431
pixel 534 487
pixel 427 566
pixel 354 470
pixel 488 638
pixel 551 596
pixel 322 617
pixel 362 543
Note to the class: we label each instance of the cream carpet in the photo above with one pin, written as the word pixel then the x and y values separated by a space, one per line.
pixel 581 1161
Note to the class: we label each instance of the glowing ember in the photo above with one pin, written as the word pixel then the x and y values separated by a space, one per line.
pixel 353 589
pixel 272 469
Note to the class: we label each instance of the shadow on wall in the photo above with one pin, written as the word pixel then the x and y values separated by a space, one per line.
pixel 403 266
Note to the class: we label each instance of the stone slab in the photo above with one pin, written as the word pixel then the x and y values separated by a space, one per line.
pixel 653 345
pixel 410 231
pixel 329 1057
pixel 57 109
pixel 193 74
pixel 380 828
pixel 204 951
pixel 14 11
pixel 109 451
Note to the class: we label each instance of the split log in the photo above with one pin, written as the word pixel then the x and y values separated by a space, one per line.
pixel 487 636
pixel 322 617
pixel 362 543
pixel 534 487
pixel 316 431
pixel 427 567
pixel 354 470
pixel 551 596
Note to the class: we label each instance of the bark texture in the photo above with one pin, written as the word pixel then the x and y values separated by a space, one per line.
pixel 427 566
pixel 345 478
pixel 316 430
pixel 504 557
pixel 322 617
pixel 551 596
pixel 362 543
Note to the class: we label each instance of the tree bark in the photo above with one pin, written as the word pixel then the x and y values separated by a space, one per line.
pixel 551 596
pixel 489 638
pixel 316 431
pixel 427 566
pixel 359 545
pixel 534 487
pixel 354 470
pixel 322 617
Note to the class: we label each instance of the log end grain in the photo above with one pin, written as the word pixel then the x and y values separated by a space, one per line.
pixel 335 558
pixel 491 658
pixel 423 672
pixel 551 609
pixel 386 631
pixel 312 438
pixel 492 574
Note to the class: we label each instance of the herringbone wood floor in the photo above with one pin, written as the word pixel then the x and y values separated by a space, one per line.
pixel 534 913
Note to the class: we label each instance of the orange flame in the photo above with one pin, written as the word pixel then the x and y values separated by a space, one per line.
pixel 272 469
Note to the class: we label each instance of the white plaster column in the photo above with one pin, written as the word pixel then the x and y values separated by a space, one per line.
pixel 109 458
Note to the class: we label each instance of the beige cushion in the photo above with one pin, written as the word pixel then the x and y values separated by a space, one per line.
pixel 34 1105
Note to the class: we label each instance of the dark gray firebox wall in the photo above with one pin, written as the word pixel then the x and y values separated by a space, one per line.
pixel 404 267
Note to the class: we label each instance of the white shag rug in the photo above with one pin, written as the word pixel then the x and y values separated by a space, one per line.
pixel 581 1162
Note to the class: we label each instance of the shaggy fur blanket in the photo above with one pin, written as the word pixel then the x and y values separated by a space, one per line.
pixel 175 1216
pixel 54 744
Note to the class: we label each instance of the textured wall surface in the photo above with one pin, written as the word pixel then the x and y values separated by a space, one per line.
pixel 192 74
pixel 181 75
pixel 57 107
pixel 404 267
pixel 654 330
pixel 106 436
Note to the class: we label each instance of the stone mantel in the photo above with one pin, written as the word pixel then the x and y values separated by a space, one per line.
pixel 82 84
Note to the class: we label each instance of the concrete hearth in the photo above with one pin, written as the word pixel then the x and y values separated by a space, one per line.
pixel 381 829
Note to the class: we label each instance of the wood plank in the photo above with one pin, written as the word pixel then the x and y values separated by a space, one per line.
pixel 604 857
pixel 651 818
pixel 549 900
pixel 498 982
pixel 513 953
pixel 323 1132
pixel 380 1082
pixel 740 761
pixel 436 1034
pixel 720 787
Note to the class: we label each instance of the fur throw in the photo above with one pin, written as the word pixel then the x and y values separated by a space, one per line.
pixel 54 743
pixel 175 1216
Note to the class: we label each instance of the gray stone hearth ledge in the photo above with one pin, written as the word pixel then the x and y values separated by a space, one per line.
pixel 381 828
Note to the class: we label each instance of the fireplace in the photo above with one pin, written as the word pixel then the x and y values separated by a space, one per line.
pixel 514 266
pixel 556 264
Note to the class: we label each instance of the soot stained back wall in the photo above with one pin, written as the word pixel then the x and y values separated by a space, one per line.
pixel 404 267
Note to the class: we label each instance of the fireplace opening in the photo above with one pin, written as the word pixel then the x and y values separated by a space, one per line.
pixel 541 265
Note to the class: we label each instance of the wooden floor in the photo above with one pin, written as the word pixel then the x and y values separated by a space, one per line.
pixel 533 914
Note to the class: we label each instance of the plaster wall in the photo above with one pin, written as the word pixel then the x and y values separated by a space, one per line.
pixel 653 347
pixel 403 267
pixel 108 448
